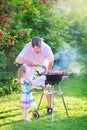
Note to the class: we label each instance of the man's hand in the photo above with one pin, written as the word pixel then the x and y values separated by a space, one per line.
pixel 30 64
pixel 43 69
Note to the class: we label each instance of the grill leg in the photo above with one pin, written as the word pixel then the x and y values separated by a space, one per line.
pixel 65 105
pixel 52 102
pixel 63 101
pixel 40 101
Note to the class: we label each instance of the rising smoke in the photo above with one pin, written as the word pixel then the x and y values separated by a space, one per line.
pixel 67 59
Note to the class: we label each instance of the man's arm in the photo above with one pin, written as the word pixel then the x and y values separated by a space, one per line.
pixel 20 60
pixel 49 67
pixel 50 57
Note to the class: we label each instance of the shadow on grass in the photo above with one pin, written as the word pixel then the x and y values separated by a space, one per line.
pixel 9 110
pixel 3 117
pixel 6 115
pixel 45 123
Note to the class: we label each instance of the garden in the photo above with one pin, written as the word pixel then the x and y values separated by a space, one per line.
pixel 62 24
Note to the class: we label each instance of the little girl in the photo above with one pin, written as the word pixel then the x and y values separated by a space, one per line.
pixel 26 99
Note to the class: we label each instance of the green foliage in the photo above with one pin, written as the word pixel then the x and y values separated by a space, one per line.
pixel 56 23
pixel 8 83
pixel 3 60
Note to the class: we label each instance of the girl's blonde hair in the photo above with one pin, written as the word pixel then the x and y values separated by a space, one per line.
pixel 21 71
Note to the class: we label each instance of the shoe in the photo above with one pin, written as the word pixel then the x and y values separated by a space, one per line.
pixel 27 119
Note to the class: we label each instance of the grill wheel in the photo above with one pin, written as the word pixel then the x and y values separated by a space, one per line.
pixel 35 114
pixel 49 110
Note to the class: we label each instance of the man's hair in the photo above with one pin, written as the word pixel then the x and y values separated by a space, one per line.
pixel 36 41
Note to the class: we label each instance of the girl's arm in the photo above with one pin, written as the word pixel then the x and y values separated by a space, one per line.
pixel 39 81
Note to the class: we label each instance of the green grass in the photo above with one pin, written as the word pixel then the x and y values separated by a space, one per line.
pixel 75 94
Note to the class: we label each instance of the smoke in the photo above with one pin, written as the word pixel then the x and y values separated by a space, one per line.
pixel 78 7
pixel 75 7
pixel 67 59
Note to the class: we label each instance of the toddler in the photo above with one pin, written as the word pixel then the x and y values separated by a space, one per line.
pixel 26 99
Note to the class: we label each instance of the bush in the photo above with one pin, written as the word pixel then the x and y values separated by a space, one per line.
pixel 21 20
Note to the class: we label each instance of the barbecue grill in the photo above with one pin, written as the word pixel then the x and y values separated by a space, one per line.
pixel 52 78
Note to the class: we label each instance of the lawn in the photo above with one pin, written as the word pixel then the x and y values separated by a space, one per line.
pixel 74 91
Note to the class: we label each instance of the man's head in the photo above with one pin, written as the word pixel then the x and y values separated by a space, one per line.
pixel 36 43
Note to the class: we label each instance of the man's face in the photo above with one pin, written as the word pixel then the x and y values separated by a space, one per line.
pixel 37 49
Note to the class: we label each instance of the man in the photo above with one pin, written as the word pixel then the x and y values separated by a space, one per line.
pixel 37 53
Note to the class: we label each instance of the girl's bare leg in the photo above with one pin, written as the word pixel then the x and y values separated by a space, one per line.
pixel 25 114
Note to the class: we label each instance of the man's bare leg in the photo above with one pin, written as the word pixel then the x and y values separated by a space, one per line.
pixel 48 96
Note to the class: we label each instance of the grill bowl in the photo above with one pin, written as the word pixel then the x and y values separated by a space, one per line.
pixel 53 79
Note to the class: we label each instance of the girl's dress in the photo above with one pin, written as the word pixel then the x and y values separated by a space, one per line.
pixel 26 99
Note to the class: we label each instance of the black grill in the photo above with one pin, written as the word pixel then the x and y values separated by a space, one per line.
pixel 53 79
